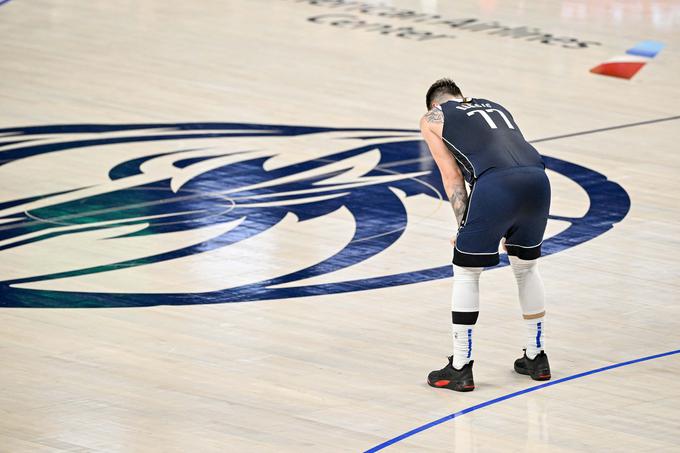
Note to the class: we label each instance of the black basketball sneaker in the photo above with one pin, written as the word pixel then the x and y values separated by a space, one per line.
pixel 451 378
pixel 538 368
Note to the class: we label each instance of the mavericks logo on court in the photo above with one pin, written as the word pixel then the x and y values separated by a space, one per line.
pixel 151 214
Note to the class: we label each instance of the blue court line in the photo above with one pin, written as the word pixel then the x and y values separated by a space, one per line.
pixel 512 395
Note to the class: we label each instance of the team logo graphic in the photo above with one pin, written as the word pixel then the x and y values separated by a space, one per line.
pixel 172 214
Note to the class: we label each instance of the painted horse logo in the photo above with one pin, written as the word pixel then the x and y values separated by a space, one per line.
pixel 153 214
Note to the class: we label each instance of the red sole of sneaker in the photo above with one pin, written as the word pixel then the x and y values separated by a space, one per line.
pixel 445 384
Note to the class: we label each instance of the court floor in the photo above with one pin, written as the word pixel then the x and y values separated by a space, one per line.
pixel 221 232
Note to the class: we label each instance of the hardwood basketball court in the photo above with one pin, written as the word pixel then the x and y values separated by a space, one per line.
pixel 220 231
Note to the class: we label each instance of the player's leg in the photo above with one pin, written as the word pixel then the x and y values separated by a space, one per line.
pixel 464 312
pixel 532 300
pixel 476 248
pixel 457 374
pixel 523 245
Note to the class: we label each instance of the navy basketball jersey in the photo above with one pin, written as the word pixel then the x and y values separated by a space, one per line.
pixel 482 135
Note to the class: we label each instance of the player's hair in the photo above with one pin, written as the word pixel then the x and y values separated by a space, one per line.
pixel 440 88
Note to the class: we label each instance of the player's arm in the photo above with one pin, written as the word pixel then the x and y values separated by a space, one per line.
pixel 431 126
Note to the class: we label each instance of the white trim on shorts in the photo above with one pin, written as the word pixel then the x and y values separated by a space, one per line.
pixel 471 253
pixel 524 246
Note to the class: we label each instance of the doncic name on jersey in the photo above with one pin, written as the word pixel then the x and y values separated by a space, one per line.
pixel 196 213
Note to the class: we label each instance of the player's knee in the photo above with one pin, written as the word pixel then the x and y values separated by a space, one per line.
pixel 465 295
pixel 466 274
pixel 521 268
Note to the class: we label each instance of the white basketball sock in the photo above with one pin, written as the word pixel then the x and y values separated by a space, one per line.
pixel 462 345
pixel 464 312
pixel 535 336
pixel 532 301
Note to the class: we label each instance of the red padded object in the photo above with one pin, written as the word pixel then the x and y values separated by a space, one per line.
pixel 621 69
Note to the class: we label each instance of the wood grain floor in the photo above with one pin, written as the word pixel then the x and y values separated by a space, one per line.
pixel 343 371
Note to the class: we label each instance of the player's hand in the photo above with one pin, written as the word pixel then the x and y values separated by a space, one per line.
pixel 453 241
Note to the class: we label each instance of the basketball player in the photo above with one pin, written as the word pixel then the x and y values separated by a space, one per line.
pixel 477 141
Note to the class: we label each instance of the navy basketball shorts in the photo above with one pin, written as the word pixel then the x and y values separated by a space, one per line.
pixel 510 203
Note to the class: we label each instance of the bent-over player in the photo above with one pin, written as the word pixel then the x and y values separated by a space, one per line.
pixel 477 141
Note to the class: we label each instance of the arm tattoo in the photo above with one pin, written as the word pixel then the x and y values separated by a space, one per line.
pixel 459 199
pixel 434 116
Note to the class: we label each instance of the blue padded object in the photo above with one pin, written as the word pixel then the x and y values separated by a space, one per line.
pixel 646 48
